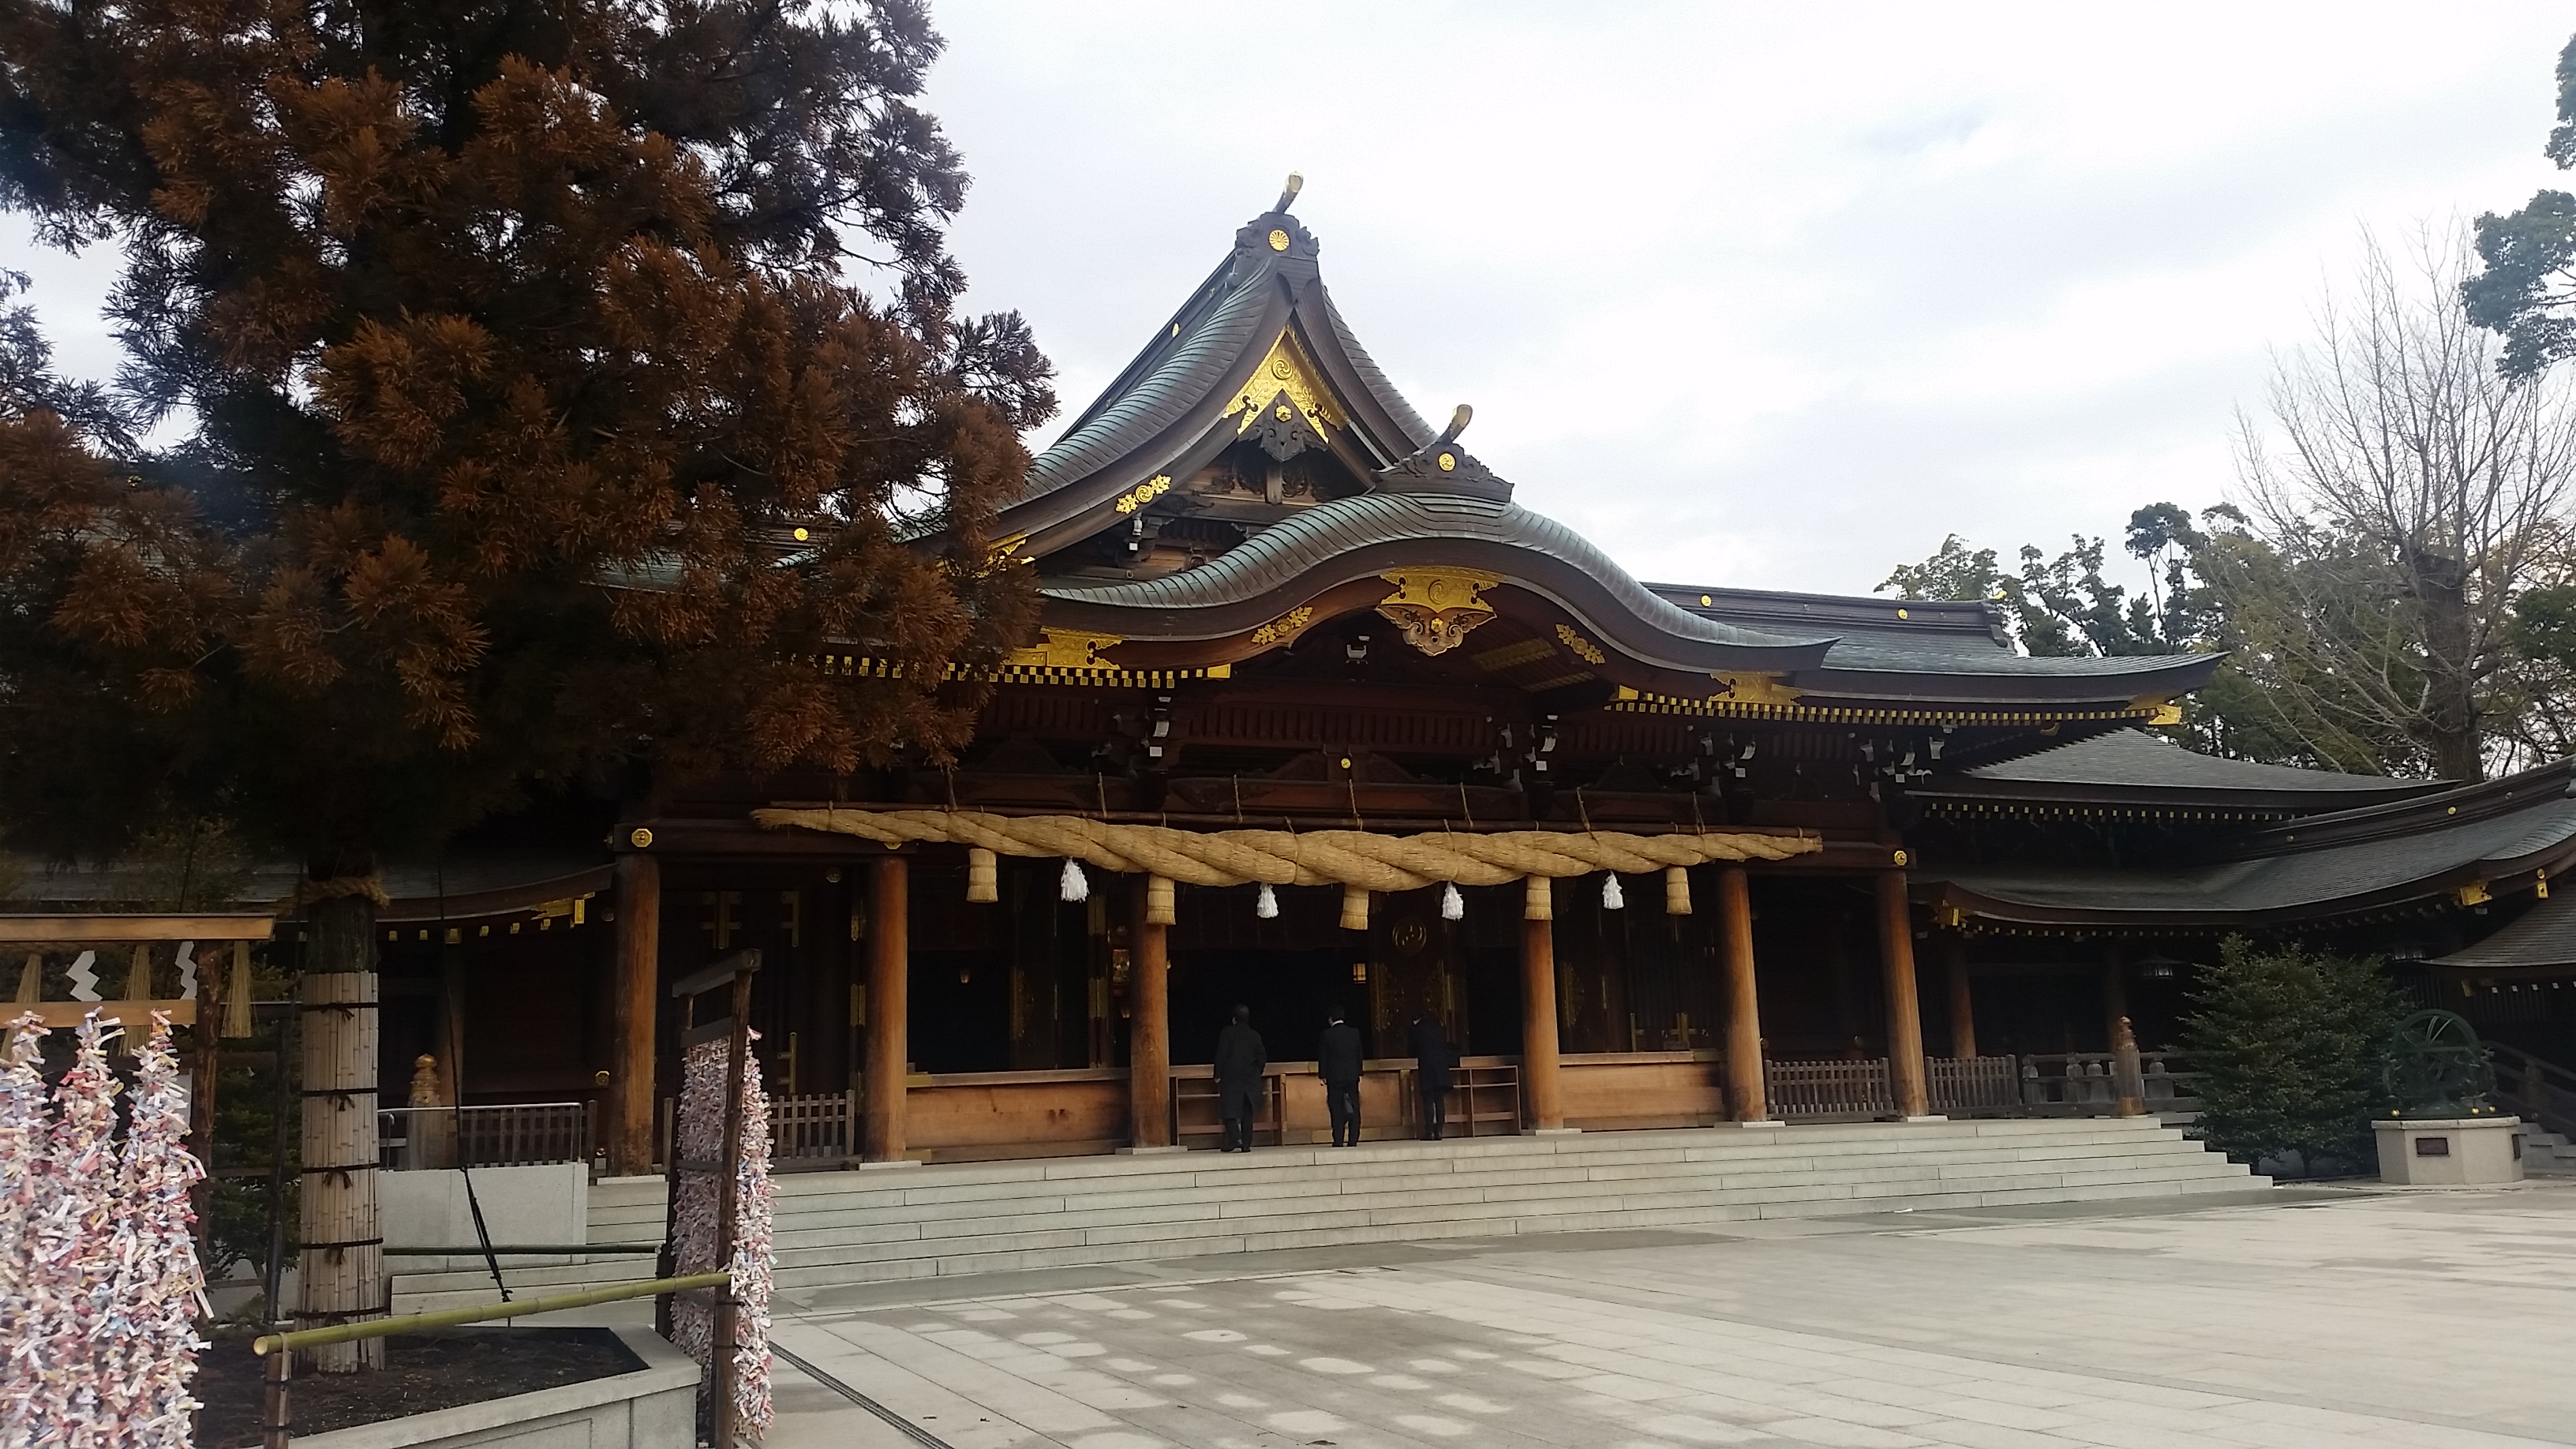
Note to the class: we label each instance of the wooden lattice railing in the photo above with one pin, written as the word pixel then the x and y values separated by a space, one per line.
pixel 1828 1089
pixel 517 1134
pixel 2541 1092
pixel 1973 1086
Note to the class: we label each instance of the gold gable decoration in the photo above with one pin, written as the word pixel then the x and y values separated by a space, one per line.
pixel 1066 649
pixel 1753 689
pixel 1286 369
pixel 1436 607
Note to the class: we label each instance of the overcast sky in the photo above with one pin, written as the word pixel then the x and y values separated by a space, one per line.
pixel 1770 296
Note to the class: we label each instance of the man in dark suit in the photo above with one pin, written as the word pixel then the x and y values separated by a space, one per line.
pixel 1240 1062
pixel 1337 1061
pixel 1434 1061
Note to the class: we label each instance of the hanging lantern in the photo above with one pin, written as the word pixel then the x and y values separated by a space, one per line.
pixel 1076 885
pixel 1354 908
pixel 1266 903
pixel 1158 902
pixel 1540 903
pixel 1676 891
pixel 983 876
pixel 1611 899
pixel 1453 906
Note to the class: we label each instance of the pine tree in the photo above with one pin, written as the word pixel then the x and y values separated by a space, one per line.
pixel 513 394
pixel 2291 1042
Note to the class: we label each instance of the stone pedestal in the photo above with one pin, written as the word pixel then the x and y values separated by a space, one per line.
pixel 2449 1151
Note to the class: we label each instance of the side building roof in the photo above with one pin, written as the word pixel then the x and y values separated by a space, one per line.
pixel 2465 844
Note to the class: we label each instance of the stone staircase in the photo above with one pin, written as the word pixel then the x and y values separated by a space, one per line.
pixel 2545 1153
pixel 837 1228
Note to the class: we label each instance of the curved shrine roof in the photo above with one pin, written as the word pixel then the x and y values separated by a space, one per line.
pixel 2321 866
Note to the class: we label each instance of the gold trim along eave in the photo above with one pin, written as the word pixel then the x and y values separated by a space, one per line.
pixel 1633 701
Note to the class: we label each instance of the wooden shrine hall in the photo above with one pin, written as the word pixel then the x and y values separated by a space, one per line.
pixel 1319 718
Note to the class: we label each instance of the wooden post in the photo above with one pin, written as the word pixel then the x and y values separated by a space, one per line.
pixel 1149 1024
pixel 2128 1081
pixel 1538 1010
pixel 341 1268
pixel 638 1011
pixel 1963 1005
pixel 2115 997
pixel 1905 1072
pixel 204 1071
pixel 728 1204
pixel 277 1418
pixel 1745 1084
pixel 889 1006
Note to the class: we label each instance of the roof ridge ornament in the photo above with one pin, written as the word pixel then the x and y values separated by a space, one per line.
pixel 1277 242
pixel 1441 466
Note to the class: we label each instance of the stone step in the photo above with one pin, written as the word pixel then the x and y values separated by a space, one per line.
pixel 636 1199
pixel 857 1227
pixel 1070 1247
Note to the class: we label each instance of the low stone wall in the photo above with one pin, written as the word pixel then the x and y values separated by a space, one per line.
pixel 654 1407
pixel 521 1205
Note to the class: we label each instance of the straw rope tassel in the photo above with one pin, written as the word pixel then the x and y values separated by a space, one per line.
pixel 1158 902
pixel 1677 890
pixel 1355 907
pixel 1539 903
pixel 237 994
pixel 983 877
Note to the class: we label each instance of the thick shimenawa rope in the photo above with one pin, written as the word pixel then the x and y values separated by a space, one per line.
pixel 1306 858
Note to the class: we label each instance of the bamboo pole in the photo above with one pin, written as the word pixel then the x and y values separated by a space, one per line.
pixel 452 1317
pixel 341 1266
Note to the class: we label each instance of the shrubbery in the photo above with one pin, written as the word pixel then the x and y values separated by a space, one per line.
pixel 2292 1042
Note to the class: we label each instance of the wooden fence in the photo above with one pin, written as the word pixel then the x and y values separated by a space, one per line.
pixel 1973 1086
pixel 1829 1090
pixel 519 1134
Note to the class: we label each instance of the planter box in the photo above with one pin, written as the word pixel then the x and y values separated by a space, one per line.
pixel 2449 1151
pixel 655 1407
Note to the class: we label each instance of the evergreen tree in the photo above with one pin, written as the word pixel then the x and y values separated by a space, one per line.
pixel 2527 289
pixel 2291 1043
pixel 514 394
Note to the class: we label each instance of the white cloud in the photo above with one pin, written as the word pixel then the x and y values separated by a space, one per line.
pixel 1754 294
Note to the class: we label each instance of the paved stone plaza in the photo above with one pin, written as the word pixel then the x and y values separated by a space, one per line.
pixel 2289 1319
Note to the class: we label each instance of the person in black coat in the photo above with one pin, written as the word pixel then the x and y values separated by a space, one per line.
pixel 1240 1061
pixel 1337 1061
pixel 1435 1061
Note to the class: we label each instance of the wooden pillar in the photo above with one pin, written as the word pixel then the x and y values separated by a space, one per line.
pixel 2115 998
pixel 1745 1083
pixel 1149 1022
pixel 889 1006
pixel 1538 1009
pixel 1905 1073
pixel 638 1004
pixel 1963 1005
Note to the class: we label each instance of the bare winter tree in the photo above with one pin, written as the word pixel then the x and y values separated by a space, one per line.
pixel 2403 493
